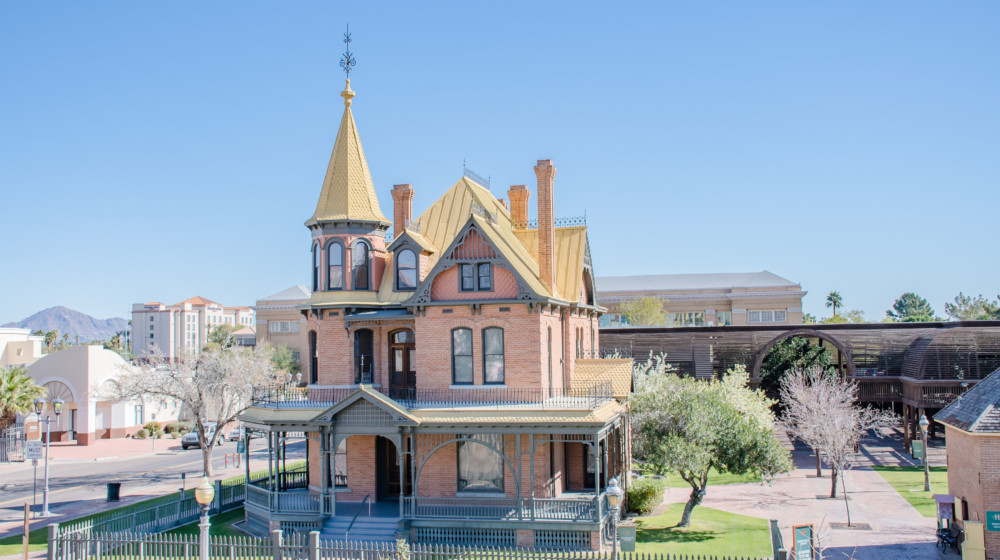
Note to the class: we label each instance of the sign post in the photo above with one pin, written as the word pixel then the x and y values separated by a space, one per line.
pixel 34 451
pixel 802 537
pixel 27 528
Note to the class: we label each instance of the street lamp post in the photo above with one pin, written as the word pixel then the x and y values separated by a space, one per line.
pixel 204 494
pixel 927 467
pixel 614 500
pixel 57 405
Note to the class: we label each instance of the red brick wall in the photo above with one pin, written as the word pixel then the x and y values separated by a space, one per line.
pixel 360 469
pixel 574 467
pixel 974 476
pixel 445 286
pixel 521 345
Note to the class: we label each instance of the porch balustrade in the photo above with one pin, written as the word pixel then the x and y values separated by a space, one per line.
pixel 289 502
pixel 293 396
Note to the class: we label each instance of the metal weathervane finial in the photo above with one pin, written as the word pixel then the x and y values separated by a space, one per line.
pixel 347 62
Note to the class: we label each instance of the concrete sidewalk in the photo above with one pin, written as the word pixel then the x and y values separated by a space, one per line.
pixel 103 450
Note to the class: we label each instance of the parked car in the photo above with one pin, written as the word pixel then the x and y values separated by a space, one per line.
pixel 190 439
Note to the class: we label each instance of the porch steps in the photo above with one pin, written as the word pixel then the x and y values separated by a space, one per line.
pixel 365 528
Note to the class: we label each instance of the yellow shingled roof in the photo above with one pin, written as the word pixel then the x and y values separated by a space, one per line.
pixel 571 246
pixel 597 416
pixel 590 373
pixel 348 192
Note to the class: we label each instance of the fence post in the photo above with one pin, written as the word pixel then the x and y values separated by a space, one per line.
pixel 218 496
pixel 313 545
pixel 276 544
pixel 50 554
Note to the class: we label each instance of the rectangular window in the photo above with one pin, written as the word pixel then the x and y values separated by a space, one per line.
pixel 480 467
pixel 461 356
pixel 295 357
pixel 151 336
pixel 150 327
pixel 724 318
pixel 493 355
pixel 340 465
pixel 468 280
pixel 779 317
pixel 766 317
pixel 753 316
pixel 485 277
pixel 150 319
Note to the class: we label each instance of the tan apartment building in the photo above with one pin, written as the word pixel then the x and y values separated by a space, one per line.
pixel 181 329
pixel 713 299
pixel 280 321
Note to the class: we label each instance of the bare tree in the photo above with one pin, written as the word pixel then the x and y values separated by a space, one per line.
pixel 215 386
pixel 821 409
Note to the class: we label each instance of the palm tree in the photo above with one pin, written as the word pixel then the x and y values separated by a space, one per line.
pixel 17 394
pixel 834 300
pixel 50 339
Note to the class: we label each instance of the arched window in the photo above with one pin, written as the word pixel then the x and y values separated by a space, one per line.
pixel 364 356
pixel 461 356
pixel 493 370
pixel 406 270
pixel 360 265
pixel 335 266
pixel 313 359
pixel 315 267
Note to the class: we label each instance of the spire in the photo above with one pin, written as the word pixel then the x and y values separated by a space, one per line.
pixel 348 193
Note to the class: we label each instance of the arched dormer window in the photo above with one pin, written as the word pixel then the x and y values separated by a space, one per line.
pixel 361 265
pixel 315 267
pixel 335 266
pixel 406 270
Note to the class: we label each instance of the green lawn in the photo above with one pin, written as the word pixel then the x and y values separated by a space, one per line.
pixel 38 538
pixel 715 478
pixel 909 482
pixel 222 524
pixel 712 532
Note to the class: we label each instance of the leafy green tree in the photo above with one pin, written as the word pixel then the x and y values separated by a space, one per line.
pixel 808 319
pixel 797 352
pixel 642 311
pixel 18 392
pixel 977 308
pixel 284 360
pixel 689 426
pixel 220 337
pixel 911 308
pixel 852 316
pixel 834 300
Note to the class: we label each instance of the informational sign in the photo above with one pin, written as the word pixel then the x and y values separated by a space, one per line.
pixel 992 520
pixel 34 450
pixel 802 536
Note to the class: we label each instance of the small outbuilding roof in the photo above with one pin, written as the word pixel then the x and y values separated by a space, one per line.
pixel 723 280
pixel 978 410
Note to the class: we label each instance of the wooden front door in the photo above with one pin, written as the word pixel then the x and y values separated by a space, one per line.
pixel 386 469
pixel 402 365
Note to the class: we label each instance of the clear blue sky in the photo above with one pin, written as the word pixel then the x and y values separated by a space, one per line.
pixel 157 151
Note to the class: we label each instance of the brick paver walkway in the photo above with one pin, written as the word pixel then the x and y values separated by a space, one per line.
pixel 897 531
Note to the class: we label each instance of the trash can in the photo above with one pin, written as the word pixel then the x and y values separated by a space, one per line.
pixel 114 491
pixel 626 535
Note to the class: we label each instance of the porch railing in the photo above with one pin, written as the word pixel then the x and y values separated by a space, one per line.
pixel 562 509
pixel 292 396
pixel 289 502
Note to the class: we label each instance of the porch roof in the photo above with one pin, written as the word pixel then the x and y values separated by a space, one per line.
pixel 618 371
pixel 492 415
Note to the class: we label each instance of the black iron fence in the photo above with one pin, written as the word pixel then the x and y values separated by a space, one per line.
pixel 12 443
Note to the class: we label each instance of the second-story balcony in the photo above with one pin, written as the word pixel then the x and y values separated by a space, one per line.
pixel 480 396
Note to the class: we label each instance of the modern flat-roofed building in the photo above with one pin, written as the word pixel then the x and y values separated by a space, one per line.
pixel 18 347
pixel 713 299
pixel 181 329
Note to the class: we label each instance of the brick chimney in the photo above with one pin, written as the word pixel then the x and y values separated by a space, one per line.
pixel 402 207
pixel 503 202
pixel 546 174
pixel 518 195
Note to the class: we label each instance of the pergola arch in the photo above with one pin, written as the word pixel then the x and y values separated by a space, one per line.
pixel 762 353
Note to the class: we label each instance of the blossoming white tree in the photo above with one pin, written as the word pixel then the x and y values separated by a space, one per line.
pixel 213 387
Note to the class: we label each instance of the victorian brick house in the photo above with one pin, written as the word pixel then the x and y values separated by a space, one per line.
pixel 450 391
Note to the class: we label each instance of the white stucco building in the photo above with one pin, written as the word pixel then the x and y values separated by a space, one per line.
pixel 181 329
pixel 18 347
pixel 76 375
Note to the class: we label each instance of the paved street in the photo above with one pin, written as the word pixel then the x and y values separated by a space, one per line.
pixel 78 477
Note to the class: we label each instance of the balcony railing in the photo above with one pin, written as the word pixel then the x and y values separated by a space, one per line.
pixel 292 396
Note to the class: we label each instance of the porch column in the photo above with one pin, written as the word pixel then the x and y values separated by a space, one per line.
pixel 597 474
pixel 401 455
pixel 324 452
pixel 413 473
pixel 531 469
pixel 270 461
pixel 906 427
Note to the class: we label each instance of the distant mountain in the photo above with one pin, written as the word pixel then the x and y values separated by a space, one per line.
pixel 73 323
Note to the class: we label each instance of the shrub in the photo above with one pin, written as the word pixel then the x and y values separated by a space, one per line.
pixel 142 434
pixel 174 427
pixel 159 434
pixel 645 494
pixel 176 435
pixel 152 427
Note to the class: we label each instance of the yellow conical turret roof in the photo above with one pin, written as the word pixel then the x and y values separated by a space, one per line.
pixel 348 192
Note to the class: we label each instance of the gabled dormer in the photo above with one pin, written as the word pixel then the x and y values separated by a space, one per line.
pixel 410 256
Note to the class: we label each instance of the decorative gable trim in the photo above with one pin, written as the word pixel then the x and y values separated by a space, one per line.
pixel 361 408
pixel 484 251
